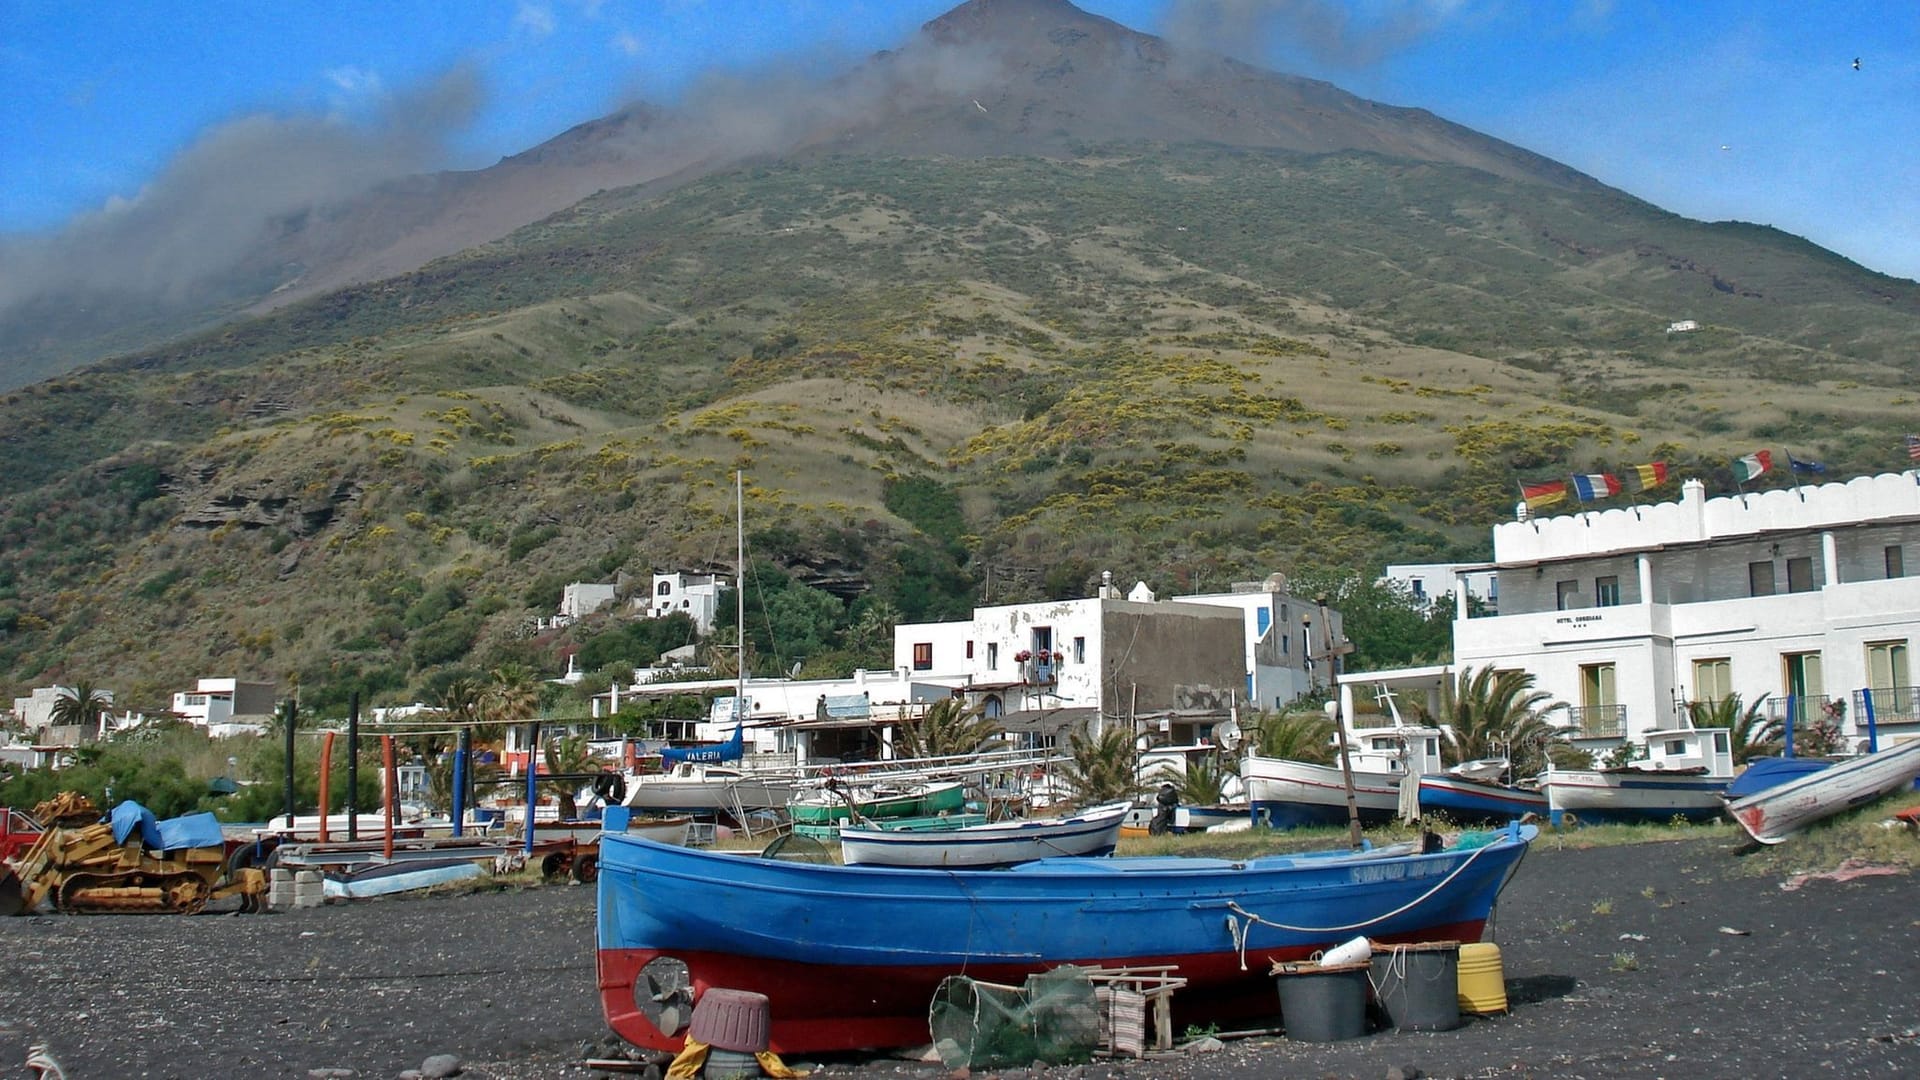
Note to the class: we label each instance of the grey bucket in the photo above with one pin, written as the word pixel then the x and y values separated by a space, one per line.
pixel 1323 1004
pixel 1419 985
pixel 730 1065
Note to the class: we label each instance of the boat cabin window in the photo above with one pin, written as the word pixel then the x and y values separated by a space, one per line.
pixel 1676 747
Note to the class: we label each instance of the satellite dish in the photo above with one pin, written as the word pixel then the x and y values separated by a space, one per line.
pixel 1228 735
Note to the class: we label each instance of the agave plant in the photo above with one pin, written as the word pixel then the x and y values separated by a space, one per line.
pixel 1750 731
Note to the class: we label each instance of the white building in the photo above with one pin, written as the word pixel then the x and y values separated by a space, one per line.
pixel 1628 614
pixel 1283 638
pixel 695 595
pixel 583 598
pixel 1428 582
pixel 227 706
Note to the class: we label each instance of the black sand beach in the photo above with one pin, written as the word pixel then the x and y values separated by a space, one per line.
pixel 1658 959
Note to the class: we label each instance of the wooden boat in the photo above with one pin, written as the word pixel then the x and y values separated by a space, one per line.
pixel 1462 799
pixel 1094 831
pixel 1684 774
pixel 849 956
pixel 1285 794
pixel 1777 813
pixel 1766 772
pixel 837 803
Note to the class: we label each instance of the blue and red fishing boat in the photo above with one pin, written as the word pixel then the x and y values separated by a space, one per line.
pixel 849 957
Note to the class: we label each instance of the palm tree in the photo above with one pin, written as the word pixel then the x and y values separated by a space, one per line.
pixel 948 727
pixel 1493 713
pixel 511 697
pixel 1200 784
pixel 1102 769
pixel 82 705
pixel 1751 732
pixel 1296 735
pixel 567 754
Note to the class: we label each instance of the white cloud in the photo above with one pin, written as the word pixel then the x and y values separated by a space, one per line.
pixel 535 19
pixel 356 81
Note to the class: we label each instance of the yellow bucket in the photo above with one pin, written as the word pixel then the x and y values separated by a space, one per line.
pixel 1483 985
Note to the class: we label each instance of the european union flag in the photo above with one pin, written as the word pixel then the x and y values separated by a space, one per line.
pixel 1797 465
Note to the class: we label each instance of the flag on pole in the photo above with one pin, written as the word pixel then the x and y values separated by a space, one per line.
pixel 1913 447
pixel 1652 474
pixel 1591 486
pixel 1746 468
pixel 1543 494
pixel 1799 466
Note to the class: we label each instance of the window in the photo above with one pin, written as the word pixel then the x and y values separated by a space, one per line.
pixel 1760 578
pixel 993 656
pixel 663 589
pixel 1800 574
pixel 969 650
pixel 1712 679
pixel 1596 685
pixel 1896 562
pixel 1804 679
pixel 1079 650
pixel 923 656
pixel 1606 591
pixel 1566 595
pixel 1419 589
pixel 1887 664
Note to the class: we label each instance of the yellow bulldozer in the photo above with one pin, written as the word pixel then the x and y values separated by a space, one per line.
pixel 81 869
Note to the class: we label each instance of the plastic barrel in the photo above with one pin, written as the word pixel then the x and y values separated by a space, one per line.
pixel 1323 1004
pixel 1419 985
pixel 1483 985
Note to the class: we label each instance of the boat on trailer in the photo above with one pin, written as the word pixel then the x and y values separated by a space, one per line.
pixel 1094 831
pixel 849 956
pixel 1777 813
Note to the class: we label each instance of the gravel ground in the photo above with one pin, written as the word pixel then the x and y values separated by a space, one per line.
pixel 1616 962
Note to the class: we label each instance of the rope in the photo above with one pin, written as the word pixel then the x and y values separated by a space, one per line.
pixel 1240 931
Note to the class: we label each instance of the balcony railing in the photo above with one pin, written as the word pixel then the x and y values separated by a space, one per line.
pixel 1598 721
pixel 1038 673
pixel 1893 705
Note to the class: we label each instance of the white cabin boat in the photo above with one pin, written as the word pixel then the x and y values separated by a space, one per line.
pixel 1683 774
pixel 703 788
pixel 1285 794
pixel 1094 831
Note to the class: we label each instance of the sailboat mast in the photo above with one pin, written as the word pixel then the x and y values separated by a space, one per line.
pixel 739 598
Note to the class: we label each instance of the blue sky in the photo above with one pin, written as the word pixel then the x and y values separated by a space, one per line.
pixel 1747 110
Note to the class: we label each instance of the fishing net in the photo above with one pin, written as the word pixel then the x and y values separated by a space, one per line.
pixel 982 1025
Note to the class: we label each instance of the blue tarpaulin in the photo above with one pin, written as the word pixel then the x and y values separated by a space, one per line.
pixel 189 831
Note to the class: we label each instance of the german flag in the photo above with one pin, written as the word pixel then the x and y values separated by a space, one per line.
pixel 1543 494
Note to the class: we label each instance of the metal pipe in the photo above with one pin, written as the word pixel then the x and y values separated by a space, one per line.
pixel 353 765
pixel 292 721
pixel 462 744
pixel 1873 736
pixel 533 771
pixel 326 768
pixel 392 784
pixel 1793 711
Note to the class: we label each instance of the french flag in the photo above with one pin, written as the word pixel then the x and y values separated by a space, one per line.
pixel 1590 486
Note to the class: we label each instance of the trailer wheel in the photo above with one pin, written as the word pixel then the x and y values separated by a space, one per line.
pixel 11 900
pixel 553 866
pixel 586 869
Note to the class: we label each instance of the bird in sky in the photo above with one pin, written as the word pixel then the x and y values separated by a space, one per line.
pixel 1856 63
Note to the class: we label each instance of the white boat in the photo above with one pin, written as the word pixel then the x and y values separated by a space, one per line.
pixel 1286 794
pixel 1683 775
pixel 1004 843
pixel 1777 813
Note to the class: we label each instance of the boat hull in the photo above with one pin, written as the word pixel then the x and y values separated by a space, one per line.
pixel 1777 813
pixel 1769 772
pixel 1093 833
pixel 1285 794
pixel 849 957
pixel 824 807
pixel 684 796
pixel 1632 796
pixel 1464 800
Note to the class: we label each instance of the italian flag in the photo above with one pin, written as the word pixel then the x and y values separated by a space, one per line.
pixel 1746 468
